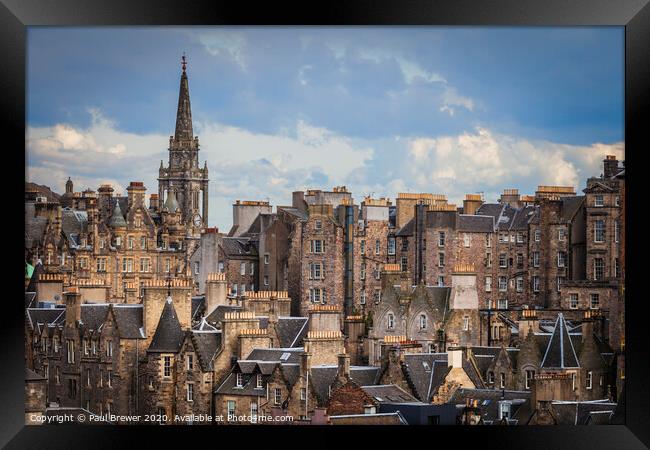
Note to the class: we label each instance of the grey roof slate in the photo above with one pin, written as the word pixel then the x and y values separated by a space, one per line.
pixel 579 413
pixel 407 230
pixel 322 377
pixel 389 393
pixel 198 305
pixel 169 335
pixel 425 372
pixel 129 320
pixel 475 223
pixel 117 219
pixel 30 375
pixel 206 344
pixel 571 205
pixel 291 331
pixel 521 409
pixel 216 316
pixel 235 247
pixel 560 352
pixel 275 354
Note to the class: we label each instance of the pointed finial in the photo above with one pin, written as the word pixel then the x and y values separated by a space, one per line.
pixel 183 62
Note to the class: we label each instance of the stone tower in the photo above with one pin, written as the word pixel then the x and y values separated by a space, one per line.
pixel 183 176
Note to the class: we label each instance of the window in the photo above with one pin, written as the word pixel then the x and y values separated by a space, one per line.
pixel 466 240
pixel 316 271
pixel 240 379
pixel 233 289
pixel 118 241
pixel 441 280
pixel 143 242
pixel 253 411
pixel 405 264
pixel 488 240
pixel 363 271
pixel 599 269
pixel 617 201
pixel 502 380
pixel 72 388
pixel 561 234
pixel 220 267
pixel 259 384
pixel 503 237
pixel 504 407
pixel 317 246
pixel 488 260
pixel 617 268
pixel 190 361
pixel 55 342
pixel 317 295
pixel 94 346
pixel 57 376
pixel 85 346
pixel 303 394
pixel 266 259
pixel 520 237
pixel 520 284
pixel 266 280
pixel 231 407
pixel 242 289
pixel 109 348
pixel 617 231
pixel 70 351
pixel 423 322
pixel 150 382
pixel 167 265
pixel 538 235
pixel 196 267
pixel 561 259
pixel 530 375
pixel 465 323
pixel 598 200
pixel 362 299
pixel 589 380
pixel 377 246
pixel 391 245
pixel 377 273
pixel 101 378
pixel 535 259
pixel 318 224
pixel 594 301
pixel 535 283
pixel 441 260
pixel 277 397
pixel 101 264
pixel 441 239
pixel 144 265
pixel 190 392
pixel 377 295
pixel 251 269
pixel 599 231
pixel 109 378
pixel 503 262
pixel 363 247
pixel 405 244
pixel 491 377
pixel 503 283
pixel 83 263
pixel 167 366
pixel 560 282
pixel 502 303
pixel 391 321
pixel 432 348
pixel 520 260
pixel 242 268
pixel 130 241
pixel 101 243
pixel 573 301
pixel 488 284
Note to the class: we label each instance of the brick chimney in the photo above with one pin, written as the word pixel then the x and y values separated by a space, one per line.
pixel 153 202
pixel 610 166
pixel 72 307
pixel 305 363
pixel 216 291
pixel 528 322
pixel 344 366
pixel 510 197
pixel 136 192
pixel 252 338
pixel 472 203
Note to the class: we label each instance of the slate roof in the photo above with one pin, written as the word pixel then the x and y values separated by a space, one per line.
pixel 490 209
pixel 560 352
pixel 389 393
pixel 43 316
pixel 523 217
pixel 580 413
pixel 129 320
pixel 30 298
pixel 206 344
pixel 322 377
pixel 198 305
pixel 168 337
pixel 275 354
pixel 33 282
pixel 30 375
pixel 235 247
pixel 216 316
pixel 34 226
pixel 521 409
pixel 291 331
pixel 425 373
pixel 117 219
pixel 73 221
pixel 439 296
pixel 302 215
pixel 571 205
pixel 93 315
pixel 408 229
pixel 475 223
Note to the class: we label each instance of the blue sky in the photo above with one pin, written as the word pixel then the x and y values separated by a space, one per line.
pixel 380 109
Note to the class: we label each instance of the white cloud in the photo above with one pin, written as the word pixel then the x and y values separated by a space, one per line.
pixel 224 43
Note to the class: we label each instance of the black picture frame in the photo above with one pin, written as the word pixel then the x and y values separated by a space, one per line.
pixel 634 15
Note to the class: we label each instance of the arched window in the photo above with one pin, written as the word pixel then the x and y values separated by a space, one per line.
pixel 391 321
pixel 423 322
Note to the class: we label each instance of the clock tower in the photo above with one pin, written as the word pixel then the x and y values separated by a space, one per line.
pixel 183 177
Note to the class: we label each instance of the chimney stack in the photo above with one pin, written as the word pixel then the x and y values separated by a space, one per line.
pixel 153 202
pixel 344 366
pixel 610 166
pixel 472 203
pixel 216 291
pixel 72 307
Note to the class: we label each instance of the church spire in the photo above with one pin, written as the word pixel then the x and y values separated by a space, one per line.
pixel 184 112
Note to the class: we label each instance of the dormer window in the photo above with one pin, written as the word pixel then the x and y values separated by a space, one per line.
pixel 504 410
pixel 589 380
pixel 260 382
pixel 318 224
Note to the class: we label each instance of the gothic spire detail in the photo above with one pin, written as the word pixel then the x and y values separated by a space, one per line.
pixel 184 112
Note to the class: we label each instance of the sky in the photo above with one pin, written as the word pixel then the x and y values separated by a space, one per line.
pixel 381 110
